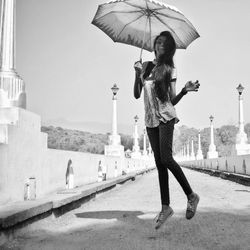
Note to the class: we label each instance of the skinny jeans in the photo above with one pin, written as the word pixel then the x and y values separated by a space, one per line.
pixel 161 140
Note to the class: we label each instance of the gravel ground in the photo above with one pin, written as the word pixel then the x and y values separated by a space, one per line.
pixel 122 219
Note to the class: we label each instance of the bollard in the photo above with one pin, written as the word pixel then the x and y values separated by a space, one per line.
pixel 69 176
pixel 104 172
pixel 30 189
pixel 32 181
pixel 217 165
pixel 244 167
pixel 116 170
pixel 100 176
pixel 226 165
pixel 26 190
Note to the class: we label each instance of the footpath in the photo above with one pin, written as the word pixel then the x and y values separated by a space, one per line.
pixel 16 215
pixel 123 218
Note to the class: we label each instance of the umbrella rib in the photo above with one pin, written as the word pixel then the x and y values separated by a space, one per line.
pixel 169 28
pixel 171 17
pixel 129 24
pixel 111 12
pixel 179 19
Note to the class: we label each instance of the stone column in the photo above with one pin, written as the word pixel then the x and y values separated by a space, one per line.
pixel 144 142
pixel 136 149
pixel 187 151
pixel 192 157
pixel 212 153
pixel 199 155
pixel 242 146
pixel 114 148
pixel 12 87
pixel 115 139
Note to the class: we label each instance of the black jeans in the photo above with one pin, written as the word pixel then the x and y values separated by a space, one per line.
pixel 161 140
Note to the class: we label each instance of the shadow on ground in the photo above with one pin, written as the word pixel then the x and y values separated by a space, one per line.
pixel 132 230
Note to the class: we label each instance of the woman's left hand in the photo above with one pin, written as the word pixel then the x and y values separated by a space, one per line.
pixel 192 86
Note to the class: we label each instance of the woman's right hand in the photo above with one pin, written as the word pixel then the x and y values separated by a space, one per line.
pixel 138 67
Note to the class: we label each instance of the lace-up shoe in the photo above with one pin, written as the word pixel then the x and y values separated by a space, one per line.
pixel 163 216
pixel 192 206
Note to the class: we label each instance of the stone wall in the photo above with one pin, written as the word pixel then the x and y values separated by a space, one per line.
pixel 25 159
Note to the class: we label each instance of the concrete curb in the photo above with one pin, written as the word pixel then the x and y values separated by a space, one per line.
pixel 14 214
pixel 241 179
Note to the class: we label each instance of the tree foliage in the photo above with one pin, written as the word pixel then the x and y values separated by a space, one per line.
pixel 75 140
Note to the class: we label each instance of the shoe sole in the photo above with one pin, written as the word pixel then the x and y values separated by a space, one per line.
pixel 170 215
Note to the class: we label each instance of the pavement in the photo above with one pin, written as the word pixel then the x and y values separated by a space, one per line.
pixel 16 215
pixel 123 218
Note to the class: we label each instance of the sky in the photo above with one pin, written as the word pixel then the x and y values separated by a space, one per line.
pixel 69 65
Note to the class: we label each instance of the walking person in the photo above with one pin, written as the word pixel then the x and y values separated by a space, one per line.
pixel 158 80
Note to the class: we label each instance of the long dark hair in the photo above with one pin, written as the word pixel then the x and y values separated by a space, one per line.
pixel 164 67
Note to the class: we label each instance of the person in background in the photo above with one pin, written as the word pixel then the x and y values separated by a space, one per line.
pixel 158 80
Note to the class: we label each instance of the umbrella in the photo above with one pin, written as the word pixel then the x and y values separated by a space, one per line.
pixel 138 22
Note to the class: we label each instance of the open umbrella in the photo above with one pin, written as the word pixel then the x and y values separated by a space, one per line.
pixel 138 22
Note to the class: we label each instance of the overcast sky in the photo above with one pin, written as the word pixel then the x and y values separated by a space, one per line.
pixel 69 65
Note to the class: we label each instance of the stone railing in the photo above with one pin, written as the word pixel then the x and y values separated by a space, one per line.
pixel 233 164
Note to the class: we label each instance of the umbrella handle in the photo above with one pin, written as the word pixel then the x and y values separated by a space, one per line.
pixel 143 41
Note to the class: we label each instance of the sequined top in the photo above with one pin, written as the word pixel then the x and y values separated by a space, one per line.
pixel 155 110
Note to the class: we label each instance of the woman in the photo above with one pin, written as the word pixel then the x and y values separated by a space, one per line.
pixel 158 79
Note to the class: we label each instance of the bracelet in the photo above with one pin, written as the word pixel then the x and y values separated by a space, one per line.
pixel 184 91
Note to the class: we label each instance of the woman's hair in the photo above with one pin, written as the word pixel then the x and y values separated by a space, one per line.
pixel 164 66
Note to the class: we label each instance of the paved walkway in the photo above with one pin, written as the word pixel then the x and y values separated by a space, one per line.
pixel 122 219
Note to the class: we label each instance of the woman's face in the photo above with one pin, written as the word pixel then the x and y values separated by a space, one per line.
pixel 160 46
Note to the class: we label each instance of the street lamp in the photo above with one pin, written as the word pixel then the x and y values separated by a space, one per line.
pixel 115 139
pixel 114 90
pixel 242 146
pixel 136 118
pixel 211 118
pixel 240 89
pixel 136 149
pixel 212 153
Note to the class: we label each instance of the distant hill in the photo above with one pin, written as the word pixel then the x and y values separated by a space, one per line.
pixel 90 126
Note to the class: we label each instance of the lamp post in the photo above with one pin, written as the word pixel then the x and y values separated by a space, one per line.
pixel 136 136
pixel 212 153
pixel 136 149
pixel 114 148
pixel 242 135
pixel 144 142
pixel 114 120
pixel 242 147
pixel 192 157
pixel 199 155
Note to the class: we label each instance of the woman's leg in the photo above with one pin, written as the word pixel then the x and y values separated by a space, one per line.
pixel 166 140
pixel 153 135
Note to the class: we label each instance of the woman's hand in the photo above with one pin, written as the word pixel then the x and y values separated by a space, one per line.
pixel 192 86
pixel 138 67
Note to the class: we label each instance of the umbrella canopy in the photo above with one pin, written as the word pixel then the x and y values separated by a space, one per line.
pixel 138 22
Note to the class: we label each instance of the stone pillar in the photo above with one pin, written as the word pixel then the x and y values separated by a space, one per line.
pixel 212 153
pixel 187 151
pixel 12 87
pixel 242 146
pixel 199 155
pixel 115 139
pixel 136 149
pixel 150 152
pixel 192 156
pixel 114 148
pixel 144 142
